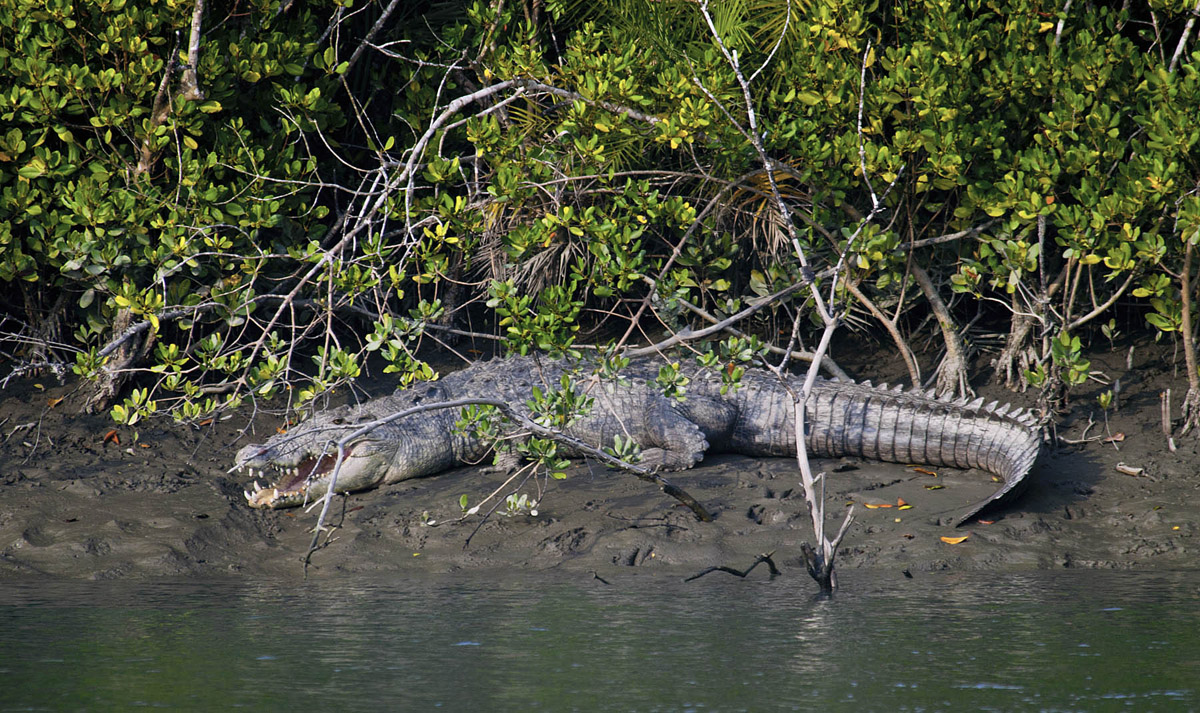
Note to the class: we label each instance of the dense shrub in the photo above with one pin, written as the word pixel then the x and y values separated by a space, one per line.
pixel 358 176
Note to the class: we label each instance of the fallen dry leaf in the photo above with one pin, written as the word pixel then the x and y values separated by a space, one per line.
pixel 876 506
pixel 54 402
pixel 955 540
pixel 986 522
pixel 1115 438
pixel 923 470
pixel 112 436
pixel 1130 469
pixel 900 502
pixel 908 536
pixel 934 487
pixel 205 422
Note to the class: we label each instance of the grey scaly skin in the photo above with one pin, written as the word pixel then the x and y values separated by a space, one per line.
pixel 756 419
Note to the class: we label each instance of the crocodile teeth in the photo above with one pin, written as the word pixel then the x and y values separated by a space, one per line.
pixel 248 495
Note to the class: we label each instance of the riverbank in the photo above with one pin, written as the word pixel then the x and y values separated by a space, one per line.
pixel 81 499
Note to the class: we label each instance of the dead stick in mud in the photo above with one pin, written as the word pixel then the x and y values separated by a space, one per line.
pixel 639 471
pixel 820 564
pixel 741 573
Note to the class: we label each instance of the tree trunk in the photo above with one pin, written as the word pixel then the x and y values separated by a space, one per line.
pixel 1018 354
pixel 952 374
pixel 115 371
pixel 1191 402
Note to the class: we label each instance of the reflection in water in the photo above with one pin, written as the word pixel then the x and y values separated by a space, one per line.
pixel 972 641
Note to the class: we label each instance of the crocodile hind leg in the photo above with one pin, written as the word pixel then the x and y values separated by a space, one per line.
pixel 673 441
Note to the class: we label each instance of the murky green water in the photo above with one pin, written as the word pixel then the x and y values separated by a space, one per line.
pixel 1064 641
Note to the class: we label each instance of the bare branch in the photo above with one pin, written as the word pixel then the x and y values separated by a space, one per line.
pixel 190 83
pixel 1187 31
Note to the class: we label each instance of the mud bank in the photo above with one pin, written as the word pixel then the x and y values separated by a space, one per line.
pixel 78 502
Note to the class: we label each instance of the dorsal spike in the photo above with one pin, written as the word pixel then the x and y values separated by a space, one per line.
pixel 946 397
pixel 898 388
pixel 1017 414
pixel 867 384
pixel 975 404
pixel 1003 410
pixel 991 407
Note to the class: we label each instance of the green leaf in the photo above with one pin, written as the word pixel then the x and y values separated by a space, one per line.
pixel 809 98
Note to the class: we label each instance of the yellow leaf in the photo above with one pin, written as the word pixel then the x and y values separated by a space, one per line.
pixel 955 540
pixel 876 506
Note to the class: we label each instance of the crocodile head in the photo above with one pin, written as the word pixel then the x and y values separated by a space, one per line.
pixel 299 464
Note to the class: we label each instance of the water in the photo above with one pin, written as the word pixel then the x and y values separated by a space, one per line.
pixel 1047 641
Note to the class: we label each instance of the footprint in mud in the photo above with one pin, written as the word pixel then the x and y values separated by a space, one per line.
pixel 96 546
pixel 636 557
pixel 567 543
pixel 37 537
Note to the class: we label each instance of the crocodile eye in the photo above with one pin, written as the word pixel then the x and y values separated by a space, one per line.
pixel 339 421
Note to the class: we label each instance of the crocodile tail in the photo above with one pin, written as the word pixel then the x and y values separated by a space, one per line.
pixel 914 426
pixel 1013 466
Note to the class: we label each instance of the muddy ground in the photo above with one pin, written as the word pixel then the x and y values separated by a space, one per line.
pixel 74 503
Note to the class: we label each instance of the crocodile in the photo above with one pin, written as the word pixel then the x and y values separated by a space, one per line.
pixel 757 418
